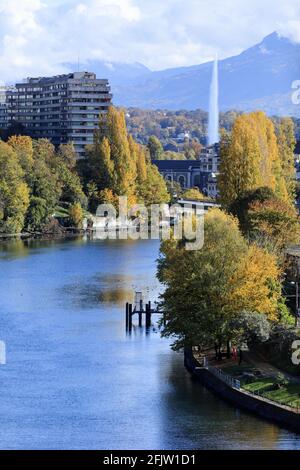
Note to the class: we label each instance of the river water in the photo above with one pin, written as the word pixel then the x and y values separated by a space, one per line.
pixel 75 380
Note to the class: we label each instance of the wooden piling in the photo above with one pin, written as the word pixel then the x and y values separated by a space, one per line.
pixel 130 317
pixel 127 315
pixel 148 315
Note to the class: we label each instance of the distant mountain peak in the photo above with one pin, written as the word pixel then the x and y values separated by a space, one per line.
pixel 258 78
pixel 275 40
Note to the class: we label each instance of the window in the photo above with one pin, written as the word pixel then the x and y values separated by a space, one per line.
pixel 181 181
pixel 197 181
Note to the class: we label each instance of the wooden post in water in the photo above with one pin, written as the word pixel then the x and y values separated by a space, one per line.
pixel 130 316
pixel 127 315
pixel 148 315
pixel 140 314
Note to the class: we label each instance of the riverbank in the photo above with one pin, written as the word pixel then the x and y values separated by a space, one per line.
pixel 51 235
pixel 230 390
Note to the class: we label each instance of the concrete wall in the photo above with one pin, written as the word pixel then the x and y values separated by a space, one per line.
pixel 257 405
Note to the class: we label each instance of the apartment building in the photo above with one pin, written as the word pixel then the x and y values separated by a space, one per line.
pixel 63 108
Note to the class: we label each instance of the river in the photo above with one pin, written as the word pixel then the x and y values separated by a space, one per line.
pixel 75 380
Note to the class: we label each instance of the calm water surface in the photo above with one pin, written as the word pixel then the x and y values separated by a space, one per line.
pixel 75 380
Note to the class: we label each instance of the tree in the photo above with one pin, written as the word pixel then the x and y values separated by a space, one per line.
pixel 45 192
pixel 250 328
pixel 22 145
pixel 153 190
pixel 34 178
pixel 175 190
pixel 119 166
pixel 206 289
pixel 76 215
pixel 106 196
pixel 275 222
pixel 193 194
pixel 250 158
pixel 285 131
pixel 142 164
pixel 155 148
pixel 67 154
pixel 240 206
pixel 169 155
pixel 195 298
pixel 254 285
pixel 14 193
pixel 71 188
pixel 124 164
pixel 44 151
pixel 38 214
pixel 112 163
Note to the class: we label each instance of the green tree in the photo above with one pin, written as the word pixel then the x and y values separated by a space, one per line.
pixel 196 282
pixel 155 148
pixel 67 154
pixel 14 193
pixel 250 328
pixel 44 151
pixel 38 214
pixel 240 206
pixel 71 188
pixel 45 192
pixel 274 223
pixel 205 290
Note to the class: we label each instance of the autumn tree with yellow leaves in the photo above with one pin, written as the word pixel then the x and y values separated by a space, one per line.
pixel 285 132
pixel 251 158
pixel 208 288
pixel 119 166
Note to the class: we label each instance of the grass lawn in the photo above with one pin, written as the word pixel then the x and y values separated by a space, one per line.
pixel 61 212
pixel 287 394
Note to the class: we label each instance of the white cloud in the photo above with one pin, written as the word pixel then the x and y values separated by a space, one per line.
pixel 37 36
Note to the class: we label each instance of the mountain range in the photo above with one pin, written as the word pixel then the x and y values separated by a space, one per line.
pixel 258 78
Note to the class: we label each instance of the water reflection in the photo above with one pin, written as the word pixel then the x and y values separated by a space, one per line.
pixel 75 379
pixel 205 421
pixel 19 248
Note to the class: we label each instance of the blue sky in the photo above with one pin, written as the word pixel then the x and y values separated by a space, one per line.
pixel 37 36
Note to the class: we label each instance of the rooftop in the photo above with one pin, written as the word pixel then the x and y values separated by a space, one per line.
pixel 183 165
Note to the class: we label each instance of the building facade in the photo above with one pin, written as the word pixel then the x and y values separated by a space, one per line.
pixel 63 108
pixel 201 173
pixel 3 106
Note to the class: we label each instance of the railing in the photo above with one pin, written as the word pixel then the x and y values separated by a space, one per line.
pixel 224 377
pixel 282 404
pixel 234 383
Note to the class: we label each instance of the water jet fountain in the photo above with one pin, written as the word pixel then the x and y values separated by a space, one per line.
pixel 213 120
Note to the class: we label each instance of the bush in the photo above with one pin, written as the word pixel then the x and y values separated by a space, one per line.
pixel 76 215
